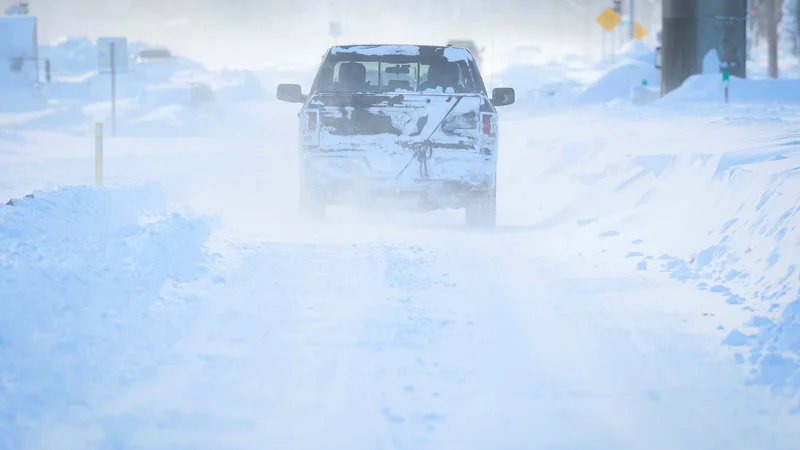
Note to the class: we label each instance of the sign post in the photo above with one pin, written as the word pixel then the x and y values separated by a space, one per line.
pixel 112 56
pixel 639 31
pixel 98 154
pixel 609 20
pixel 113 91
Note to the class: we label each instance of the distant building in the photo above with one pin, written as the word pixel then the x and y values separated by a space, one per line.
pixel 19 47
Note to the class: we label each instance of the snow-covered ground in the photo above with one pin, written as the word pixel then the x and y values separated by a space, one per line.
pixel 640 291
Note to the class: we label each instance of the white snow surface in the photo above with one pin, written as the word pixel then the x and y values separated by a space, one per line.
pixel 451 53
pixel 641 289
pixel 711 62
pixel 378 50
pixel 79 95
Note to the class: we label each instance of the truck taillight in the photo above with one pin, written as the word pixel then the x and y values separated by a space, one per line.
pixel 311 120
pixel 310 127
pixel 488 124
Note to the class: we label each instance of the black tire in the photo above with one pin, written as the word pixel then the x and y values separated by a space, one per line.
pixel 482 213
pixel 312 205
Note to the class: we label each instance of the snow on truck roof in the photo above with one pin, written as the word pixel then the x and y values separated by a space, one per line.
pixel 450 53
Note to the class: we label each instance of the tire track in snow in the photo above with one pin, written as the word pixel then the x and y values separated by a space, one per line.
pixel 397 343
pixel 486 386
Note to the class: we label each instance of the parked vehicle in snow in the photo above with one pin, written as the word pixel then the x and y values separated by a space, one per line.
pixel 401 122
pixel 154 55
pixel 191 95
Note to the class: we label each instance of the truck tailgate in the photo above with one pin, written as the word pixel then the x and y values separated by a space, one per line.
pixel 395 123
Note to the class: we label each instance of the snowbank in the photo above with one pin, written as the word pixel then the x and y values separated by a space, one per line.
pixel 82 284
pixel 78 84
pixel 574 83
pixel 617 81
pixel 708 88
pixel 74 56
pixel 716 207
pixel 70 56
pixel 630 51
pixel 755 260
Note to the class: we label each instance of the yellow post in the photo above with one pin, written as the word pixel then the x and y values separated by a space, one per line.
pixel 98 154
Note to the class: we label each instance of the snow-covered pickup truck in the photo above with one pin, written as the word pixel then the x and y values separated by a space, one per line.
pixel 402 122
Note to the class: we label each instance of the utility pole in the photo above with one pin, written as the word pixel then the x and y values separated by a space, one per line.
pixel 772 36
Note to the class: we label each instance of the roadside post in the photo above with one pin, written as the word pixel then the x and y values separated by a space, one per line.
pixel 98 154
pixel 113 91
pixel 112 58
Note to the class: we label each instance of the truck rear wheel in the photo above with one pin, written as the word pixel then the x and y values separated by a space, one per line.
pixel 482 213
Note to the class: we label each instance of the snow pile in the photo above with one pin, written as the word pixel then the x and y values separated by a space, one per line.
pixel 74 56
pixel 146 92
pixel 754 262
pixel 86 300
pixel 617 82
pixel 70 56
pixel 574 82
pixel 708 88
pixel 540 86
pixel 717 208
pixel 239 86
pixel 630 51
pixel 157 95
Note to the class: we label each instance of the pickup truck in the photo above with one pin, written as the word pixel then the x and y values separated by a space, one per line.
pixel 410 124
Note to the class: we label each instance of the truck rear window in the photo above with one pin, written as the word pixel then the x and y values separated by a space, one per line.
pixel 345 73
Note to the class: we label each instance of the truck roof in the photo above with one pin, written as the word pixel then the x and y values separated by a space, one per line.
pixel 449 52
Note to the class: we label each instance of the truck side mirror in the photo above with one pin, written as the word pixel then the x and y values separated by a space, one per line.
pixel 503 96
pixel 291 93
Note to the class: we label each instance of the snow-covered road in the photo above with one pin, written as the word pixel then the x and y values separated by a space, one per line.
pixel 443 339
pixel 397 331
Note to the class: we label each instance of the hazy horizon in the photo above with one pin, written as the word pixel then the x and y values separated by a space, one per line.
pixel 249 33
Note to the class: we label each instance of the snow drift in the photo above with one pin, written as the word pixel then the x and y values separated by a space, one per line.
pixel 716 208
pixel 86 299
pixel 577 82
pixel 708 89
pixel 157 98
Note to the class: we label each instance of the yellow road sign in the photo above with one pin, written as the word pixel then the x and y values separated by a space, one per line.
pixel 609 19
pixel 639 31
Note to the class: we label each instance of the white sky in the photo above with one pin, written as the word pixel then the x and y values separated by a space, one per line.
pixel 250 33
